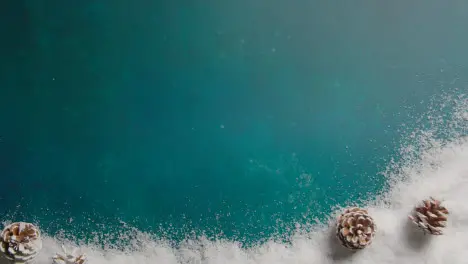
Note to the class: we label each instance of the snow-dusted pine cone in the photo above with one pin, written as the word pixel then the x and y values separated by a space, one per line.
pixel 355 228
pixel 430 216
pixel 20 242
pixel 69 257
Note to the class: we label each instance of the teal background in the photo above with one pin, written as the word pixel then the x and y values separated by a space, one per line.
pixel 238 118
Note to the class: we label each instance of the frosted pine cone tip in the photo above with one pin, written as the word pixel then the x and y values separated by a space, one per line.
pixel 20 242
pixel 355 228
pixel 430 216
pixel 69 257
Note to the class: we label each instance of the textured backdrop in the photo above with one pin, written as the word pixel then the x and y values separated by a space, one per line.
pixel 241 117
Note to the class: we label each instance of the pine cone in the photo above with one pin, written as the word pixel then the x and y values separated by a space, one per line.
pixel 69 258
pixel 20 242
pixel 355 228
pixel 430 216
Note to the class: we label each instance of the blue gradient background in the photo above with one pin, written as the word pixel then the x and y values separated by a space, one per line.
pixel 240 118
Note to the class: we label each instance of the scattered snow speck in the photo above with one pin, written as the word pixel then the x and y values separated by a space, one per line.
pixel 465 116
